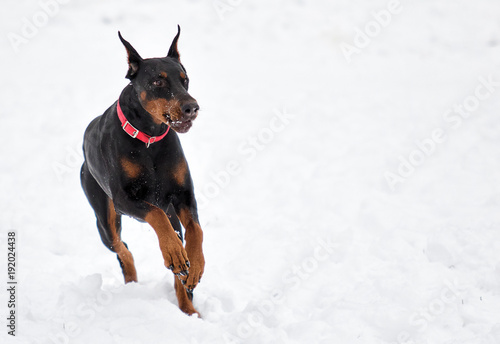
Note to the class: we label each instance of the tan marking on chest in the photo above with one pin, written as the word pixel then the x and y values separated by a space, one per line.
pixel 180 172
pixel 131 169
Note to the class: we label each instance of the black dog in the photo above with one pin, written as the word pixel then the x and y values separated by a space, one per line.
pixel 134 165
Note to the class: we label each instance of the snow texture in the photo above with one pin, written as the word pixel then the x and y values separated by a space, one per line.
pixel 346 161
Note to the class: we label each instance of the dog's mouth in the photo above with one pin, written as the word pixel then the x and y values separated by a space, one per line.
pixel 181 126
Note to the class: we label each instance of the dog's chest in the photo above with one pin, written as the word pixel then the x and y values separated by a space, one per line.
pixel 154 182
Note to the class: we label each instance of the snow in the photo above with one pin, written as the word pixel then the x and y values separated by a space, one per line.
pixel 307 240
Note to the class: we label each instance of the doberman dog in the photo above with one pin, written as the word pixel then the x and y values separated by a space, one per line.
pixel 135 165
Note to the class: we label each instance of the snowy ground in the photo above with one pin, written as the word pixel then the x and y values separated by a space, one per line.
pixel 365 203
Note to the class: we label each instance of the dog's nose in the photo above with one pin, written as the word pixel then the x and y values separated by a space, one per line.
pixel 190 110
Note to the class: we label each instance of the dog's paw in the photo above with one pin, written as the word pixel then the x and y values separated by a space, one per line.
pixel 191 280
pixel 176 259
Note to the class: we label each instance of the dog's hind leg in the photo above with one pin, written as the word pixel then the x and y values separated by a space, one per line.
pixel 108 223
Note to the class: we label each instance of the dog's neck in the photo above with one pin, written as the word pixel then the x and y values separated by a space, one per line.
pixel 137 115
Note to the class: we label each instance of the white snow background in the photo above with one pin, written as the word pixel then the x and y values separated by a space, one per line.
pixel 305 241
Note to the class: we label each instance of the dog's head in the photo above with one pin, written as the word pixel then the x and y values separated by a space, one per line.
pixel 162 87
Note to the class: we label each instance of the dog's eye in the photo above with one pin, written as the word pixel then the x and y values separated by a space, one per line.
pixel 159 83
pixel 186 82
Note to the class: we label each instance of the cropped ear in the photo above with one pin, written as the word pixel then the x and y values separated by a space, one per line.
pixel 134 59
pixel 173 52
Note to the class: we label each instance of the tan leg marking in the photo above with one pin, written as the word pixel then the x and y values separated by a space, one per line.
pixel 185 303
pixel 129 272
pixel 194 241
pixel 171 247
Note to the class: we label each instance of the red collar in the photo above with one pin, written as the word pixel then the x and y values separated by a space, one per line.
pixel 136 133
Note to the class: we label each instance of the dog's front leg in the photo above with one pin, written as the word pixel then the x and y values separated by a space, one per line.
pixel 194 240
pixel 174 254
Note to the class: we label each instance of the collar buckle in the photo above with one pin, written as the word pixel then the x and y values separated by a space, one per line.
pixel 135 131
